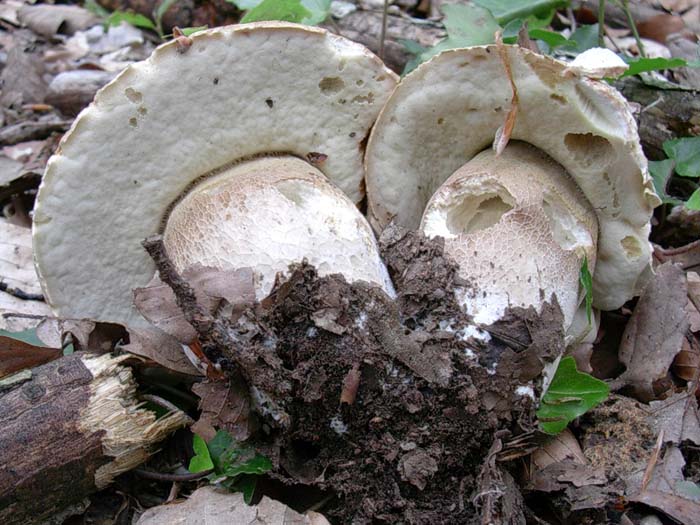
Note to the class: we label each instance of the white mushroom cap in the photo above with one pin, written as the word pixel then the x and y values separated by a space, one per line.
pixel 599 62
pixel 450 108
pixel 236 92
pixel 519 228
pixel 269 213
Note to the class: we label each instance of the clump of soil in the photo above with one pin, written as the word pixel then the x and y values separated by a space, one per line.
pixel 388 403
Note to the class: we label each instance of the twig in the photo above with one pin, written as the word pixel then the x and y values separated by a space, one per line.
pixel 652 462
pixel 382 36
pixel 20 294
pixel 164 403
pixel 601 23
pixel 633 27
pixel 159 476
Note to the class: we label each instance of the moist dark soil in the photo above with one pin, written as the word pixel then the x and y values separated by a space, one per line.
pixel 388 403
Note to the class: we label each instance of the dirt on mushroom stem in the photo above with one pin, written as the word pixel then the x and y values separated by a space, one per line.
pixel 377 399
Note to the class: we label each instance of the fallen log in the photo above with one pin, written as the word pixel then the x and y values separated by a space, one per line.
pixel 68 430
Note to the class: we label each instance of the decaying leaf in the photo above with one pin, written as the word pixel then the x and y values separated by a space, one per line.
pixel 160 347
pixel 694 301
pixel 224 405
pixel 49 20
pixel 17 273
pixel 655 332
pixel 503 133
pixel 156 301
pixel 677 417
pixel 219 507
pixel 22 77
pixel 16 355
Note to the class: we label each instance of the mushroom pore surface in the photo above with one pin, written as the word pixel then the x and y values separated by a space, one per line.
pixel 182 116
pixel 452 107
pixel 518 227
pixel 268 213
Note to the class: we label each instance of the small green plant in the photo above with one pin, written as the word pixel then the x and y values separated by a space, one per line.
pixel 308 12
pixel 683 160
pixel 234 466
pixel 570 395
pixel 471 25
pixel 587 282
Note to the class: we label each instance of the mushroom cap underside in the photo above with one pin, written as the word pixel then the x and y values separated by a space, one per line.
pixel 163 124
pixel 451 108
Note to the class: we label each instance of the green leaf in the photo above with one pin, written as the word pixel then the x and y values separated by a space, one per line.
pixel 587 283
pixel 218 448
pixel 550 38
pixel 511 30
pixel 570 394
pixel 661 171
pixel 202 459
pixel 284 10
pixel 134 19
pixel 162 8
pixel 506 10
pixel 466 26
pixel 256 465
pixel 693 203
pixel 642 65
pixel 686 153
pixel 95 8
pixel 319 10
pixel 584 38
pixel 187 31
pixel 246 485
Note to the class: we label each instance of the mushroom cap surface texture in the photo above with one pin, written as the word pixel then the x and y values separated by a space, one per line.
pixel 268 213
pixel 180 116
pixel 450 108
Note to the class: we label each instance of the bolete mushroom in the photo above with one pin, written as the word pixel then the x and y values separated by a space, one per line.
pixel 572 183
pixel 228 143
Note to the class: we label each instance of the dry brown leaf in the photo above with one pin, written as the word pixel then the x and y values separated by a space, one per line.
pixel 17 271
pixel 162 348
pixel 22 77
pixel 677 417
pixel 10 170
pixel 687 256
pixel 48 20
pixel 694 301
pixel 655 332
pixel 156 302
pixel 211 506
pixel 659 27
pixel 563 446
pixel 681 509
pixel 225 406
pixel 503 133
pixel 16 355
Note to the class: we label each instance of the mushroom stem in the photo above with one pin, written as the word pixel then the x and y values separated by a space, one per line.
pixel 518 227
pixel 267 213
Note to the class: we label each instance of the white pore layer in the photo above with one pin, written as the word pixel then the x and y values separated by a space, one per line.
pixel 236 92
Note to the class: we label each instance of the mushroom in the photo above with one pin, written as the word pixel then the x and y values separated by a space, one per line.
pixel 229 143
pixel 571 185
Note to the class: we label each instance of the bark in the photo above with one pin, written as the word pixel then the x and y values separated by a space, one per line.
pixel 68 430
pixel 666 114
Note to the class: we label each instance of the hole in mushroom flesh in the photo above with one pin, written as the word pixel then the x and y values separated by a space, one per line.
pixel 518 226
pixel 267 213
